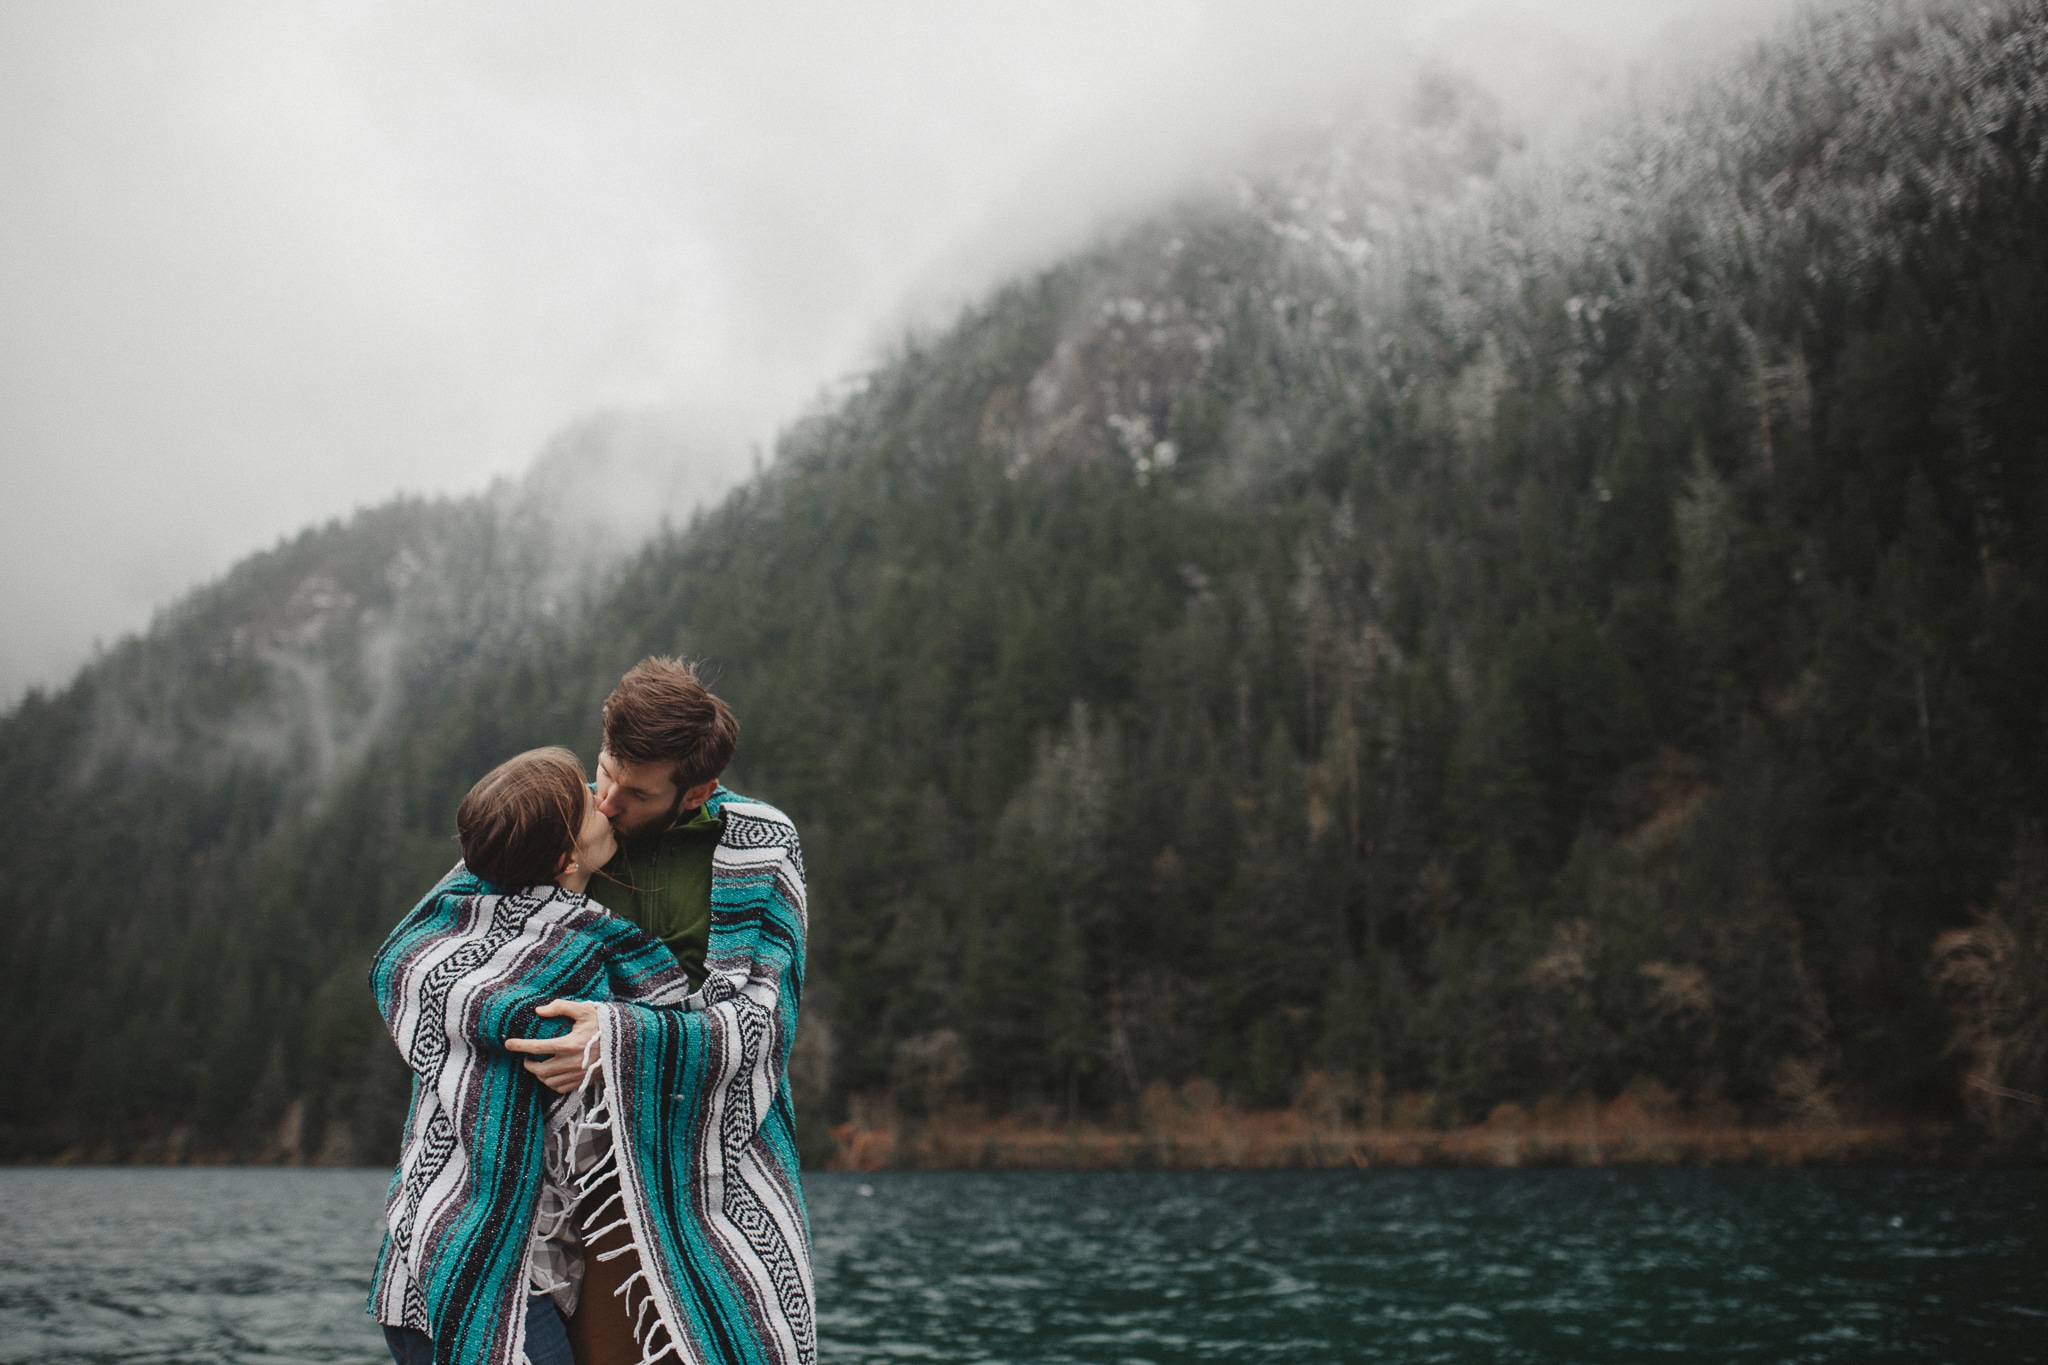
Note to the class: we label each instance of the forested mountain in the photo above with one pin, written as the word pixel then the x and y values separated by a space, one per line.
pixel 1479 625
pixel 165 940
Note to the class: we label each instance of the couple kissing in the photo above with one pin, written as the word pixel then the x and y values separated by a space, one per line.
pixel 597 1004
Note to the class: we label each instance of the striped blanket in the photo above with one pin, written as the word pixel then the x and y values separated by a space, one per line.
pixel 693 1092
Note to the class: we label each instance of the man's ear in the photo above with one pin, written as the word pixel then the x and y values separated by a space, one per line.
pixel 699 794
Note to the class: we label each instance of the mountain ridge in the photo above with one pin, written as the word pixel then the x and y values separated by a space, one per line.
pixel 1494 635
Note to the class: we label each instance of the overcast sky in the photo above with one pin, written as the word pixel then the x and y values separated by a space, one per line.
pixel 263 264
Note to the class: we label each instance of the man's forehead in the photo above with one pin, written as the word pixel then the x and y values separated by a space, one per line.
pixel 651 777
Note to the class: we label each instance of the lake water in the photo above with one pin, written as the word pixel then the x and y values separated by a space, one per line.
pixel 1551 1266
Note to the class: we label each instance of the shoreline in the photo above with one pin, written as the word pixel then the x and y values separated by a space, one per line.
pixel 1263 1142
pixel 1211 1136
pixel 1327 1129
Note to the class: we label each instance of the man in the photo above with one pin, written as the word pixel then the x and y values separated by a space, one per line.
pixel 719 880
pixel 666 740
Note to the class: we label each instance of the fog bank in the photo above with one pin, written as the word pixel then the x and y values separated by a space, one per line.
pixel 261 266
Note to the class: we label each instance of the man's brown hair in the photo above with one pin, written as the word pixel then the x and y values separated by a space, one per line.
pixel 521 820
pixel 661 712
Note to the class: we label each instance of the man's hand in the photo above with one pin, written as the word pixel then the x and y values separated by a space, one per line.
pixel 559 1062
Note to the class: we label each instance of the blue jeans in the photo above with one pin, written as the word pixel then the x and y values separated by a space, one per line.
pixel 547 1341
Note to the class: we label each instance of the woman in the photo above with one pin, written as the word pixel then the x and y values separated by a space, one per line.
pixel 495 954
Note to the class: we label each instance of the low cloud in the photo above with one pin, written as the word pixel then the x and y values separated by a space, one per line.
pixel 262 265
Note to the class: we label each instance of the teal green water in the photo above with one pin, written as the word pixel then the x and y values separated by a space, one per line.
pixel 1563 1266
pixel 1541 1266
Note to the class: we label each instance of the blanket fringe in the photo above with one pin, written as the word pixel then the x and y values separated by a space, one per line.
pixel 589 1237
pixel 592 1216
pixel 608 1164
pixel 646 1338
pixel 642 1308
pixel 645 1312
pixel 609 1256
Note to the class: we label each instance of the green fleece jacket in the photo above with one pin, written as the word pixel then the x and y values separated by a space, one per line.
pixel 662 882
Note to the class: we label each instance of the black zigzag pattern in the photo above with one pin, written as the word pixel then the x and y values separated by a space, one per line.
pixel 738 1128
pixel 437 1145
pixel 430 1038
pixel 751 831
pixel 415 1310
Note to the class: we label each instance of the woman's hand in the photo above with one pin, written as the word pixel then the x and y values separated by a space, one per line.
pixel 560 1063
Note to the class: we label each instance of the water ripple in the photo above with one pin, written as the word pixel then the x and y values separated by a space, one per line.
pixel 1537 1266
pixel 1582 1267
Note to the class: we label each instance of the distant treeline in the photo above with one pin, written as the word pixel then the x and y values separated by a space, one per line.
pixel 1475 629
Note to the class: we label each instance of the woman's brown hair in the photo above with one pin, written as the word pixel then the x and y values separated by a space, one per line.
pixel 520 821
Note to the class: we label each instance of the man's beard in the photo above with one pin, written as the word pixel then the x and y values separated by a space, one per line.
pixel 657 825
